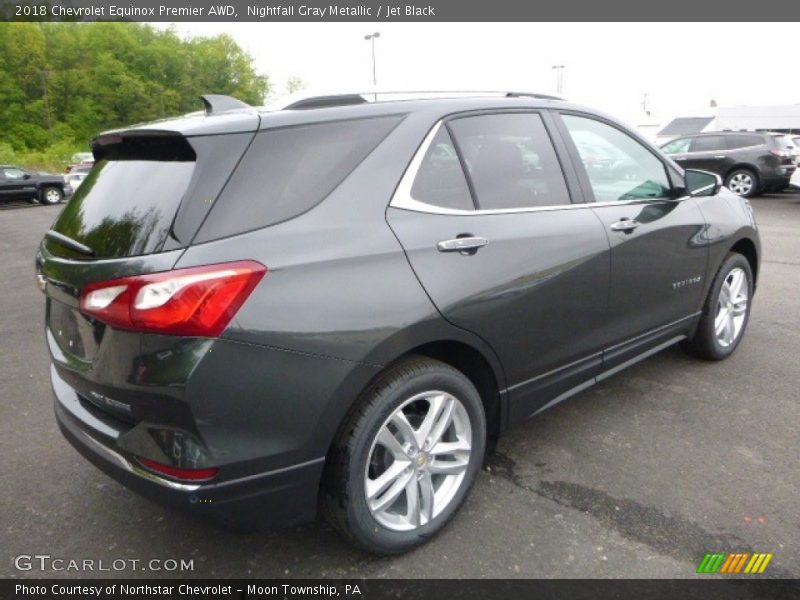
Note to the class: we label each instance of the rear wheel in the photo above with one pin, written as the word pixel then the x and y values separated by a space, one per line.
pixel 51 195
pixel 406 459
pixel 726 311
pixel 742 182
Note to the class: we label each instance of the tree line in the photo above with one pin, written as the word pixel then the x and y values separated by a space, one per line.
pixel 63 83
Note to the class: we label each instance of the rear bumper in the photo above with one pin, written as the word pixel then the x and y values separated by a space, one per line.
pixel 270 499
pixel 777 180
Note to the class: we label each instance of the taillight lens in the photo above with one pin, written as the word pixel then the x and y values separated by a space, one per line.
pixel 199 301
pixel 177 472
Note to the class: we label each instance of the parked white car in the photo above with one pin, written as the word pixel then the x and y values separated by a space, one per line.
pixel 795 181
pixel 75 180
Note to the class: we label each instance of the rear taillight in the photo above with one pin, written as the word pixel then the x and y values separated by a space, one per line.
pixel 199 301
pixel 177 472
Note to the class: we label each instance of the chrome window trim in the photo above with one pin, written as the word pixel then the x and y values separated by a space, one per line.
pixel 403 200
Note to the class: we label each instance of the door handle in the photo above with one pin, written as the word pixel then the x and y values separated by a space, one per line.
pixel 467 245
pixel 626 225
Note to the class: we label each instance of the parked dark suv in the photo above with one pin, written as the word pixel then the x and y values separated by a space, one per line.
pixel 252 313
pixel 748 162
pixel 17 183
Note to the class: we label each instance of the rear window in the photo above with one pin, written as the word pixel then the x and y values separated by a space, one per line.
pixel 288 171
pixel 126 205
pixel 148 194
pixel 736 141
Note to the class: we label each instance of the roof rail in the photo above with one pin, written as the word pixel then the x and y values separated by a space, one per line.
pixel 326 101
pixel 310 101
pixel 217 103
pixel 532 95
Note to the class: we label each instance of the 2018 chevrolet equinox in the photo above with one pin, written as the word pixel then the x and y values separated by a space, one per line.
pixel 254 313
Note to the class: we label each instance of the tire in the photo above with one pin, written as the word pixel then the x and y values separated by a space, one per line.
pixel 360 456
pixel 51 195
pixel 707 343
pixel 743 182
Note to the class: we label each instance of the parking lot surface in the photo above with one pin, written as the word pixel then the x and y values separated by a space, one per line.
pixel 639 476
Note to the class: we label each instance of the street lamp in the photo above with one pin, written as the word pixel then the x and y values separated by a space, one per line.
pixel 371 38
pixel 559 69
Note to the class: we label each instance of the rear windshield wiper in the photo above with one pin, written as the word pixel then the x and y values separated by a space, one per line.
pixel 68 242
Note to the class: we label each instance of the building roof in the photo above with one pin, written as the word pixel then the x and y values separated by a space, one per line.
pixel 686 125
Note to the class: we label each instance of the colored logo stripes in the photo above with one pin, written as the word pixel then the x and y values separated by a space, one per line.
pixel 736 562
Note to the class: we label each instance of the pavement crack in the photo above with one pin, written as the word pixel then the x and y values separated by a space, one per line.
pixel 671 536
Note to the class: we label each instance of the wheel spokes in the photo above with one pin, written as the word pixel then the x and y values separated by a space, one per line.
pixel 427 442
pixel 388 440
pixel 427 495
pixel 735 286
pixel 376 486
pixel 394 480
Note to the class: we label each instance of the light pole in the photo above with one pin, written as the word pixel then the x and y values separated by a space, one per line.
pixel 371 38
pixel 559 69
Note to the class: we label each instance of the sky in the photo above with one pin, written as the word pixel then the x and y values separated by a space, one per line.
pixel 681 67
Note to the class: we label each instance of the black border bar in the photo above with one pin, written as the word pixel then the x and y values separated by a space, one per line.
pixel 401 11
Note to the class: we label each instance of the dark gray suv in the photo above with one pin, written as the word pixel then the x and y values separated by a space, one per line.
pixel 251 314
pixel 748 162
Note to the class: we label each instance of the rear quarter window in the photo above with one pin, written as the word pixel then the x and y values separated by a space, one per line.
pixel 737 141
pixel 288 171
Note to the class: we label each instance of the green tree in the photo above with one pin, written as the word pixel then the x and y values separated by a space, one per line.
pixel 63 83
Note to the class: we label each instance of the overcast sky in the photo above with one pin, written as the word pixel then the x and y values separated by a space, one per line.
pixel 682 67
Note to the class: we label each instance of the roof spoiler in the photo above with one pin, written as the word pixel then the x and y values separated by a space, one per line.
pixel 217 103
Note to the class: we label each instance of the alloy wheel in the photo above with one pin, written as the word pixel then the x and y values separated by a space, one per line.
pixel 741 184
pixel 731 307
pixel 418 461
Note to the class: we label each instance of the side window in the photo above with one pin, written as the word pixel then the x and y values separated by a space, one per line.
pixel 742 141
pixel 288 171
pixel 709 143
pixel 510 160
pixel 677 146
pixel 440 180
pixel 618 166
pixel 13 174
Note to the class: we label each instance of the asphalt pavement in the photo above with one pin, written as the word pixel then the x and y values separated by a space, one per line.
pixel 639 476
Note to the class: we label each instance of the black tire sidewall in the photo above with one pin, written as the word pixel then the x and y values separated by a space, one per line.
pixel 363 526
pixel 756 182
pixel 708 338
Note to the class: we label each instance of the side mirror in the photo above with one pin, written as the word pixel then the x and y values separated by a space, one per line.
pixel 26 176
pixel 702 183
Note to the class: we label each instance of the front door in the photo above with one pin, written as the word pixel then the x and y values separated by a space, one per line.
pixel 14 184
pixel 485 217
pixel 658 252
pixel 709 153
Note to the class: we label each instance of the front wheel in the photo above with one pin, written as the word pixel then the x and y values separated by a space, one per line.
pixel 51 195
pixel 726 312
pixel 407 458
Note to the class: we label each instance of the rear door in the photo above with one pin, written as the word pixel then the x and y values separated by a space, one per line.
pixel 658 254
pixel 486 217
pixel 15 185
